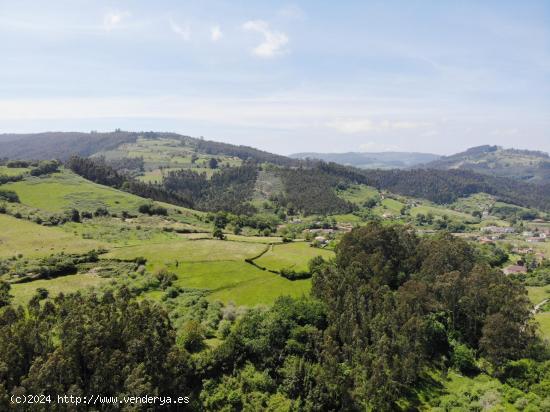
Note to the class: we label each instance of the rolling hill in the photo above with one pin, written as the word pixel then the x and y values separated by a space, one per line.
pixel 526 165
pixel 381 160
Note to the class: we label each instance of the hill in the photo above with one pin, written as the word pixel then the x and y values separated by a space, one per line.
pixel 381 160
pixel 62 145
pixel 526 165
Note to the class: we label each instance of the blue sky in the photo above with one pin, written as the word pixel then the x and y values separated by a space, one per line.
pixel 431 76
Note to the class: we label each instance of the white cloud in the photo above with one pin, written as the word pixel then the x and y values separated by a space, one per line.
pixel 367 125
pixel 274 41
pixel 215 33
pixel 183 31
pixel 113 19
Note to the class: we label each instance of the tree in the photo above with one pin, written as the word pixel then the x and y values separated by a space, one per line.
pixel 5 297
pixel 213 163
pixel 218 233
pixel 192 336
pixel 74 215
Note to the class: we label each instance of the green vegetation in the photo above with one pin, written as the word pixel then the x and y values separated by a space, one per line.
pixel 235 308
pixel 218 267
pixel 29 239
pixel 295 256
pixel 23 292
pixel 65 190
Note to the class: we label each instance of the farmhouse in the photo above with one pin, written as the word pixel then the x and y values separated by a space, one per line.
pixel 498 229
pixel 508 270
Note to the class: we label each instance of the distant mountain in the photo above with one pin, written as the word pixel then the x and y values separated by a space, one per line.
pixel 382 160
pixel 526 165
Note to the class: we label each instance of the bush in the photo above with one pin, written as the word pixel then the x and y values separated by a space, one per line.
pixel 9 196
pixel 192 336
pixel 165 278
pixel 463 358
pixel 291 274
pixel 101 212
pixel 45 167
pixel 151 209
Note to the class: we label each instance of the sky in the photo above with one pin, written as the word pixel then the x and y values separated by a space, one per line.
pixel 287 77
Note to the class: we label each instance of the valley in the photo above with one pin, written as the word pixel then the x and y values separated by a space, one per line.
pixel 215 239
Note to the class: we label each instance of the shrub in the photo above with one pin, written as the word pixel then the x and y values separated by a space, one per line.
pixel 463 358
pixel 9 196
pixel 101 212
pixel 151 209
pixel 291 274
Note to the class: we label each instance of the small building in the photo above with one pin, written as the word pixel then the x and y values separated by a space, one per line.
pixel 512 269
pixel 498 229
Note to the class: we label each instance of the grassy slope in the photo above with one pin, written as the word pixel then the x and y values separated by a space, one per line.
pixel 65 190
pixel 169 154
pixel 13 171
pixel 538 293
pixel 291 255
pixel 218 266
pixel 22 292
pixel 20 236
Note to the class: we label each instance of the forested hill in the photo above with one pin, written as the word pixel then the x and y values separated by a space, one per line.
pixel 63 145
pixel 382 160
pixel 444 186
pixel 527 165
pixel 310 186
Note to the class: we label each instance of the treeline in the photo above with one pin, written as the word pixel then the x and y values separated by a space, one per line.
pixel 229 189
pixel 98 171
pixel 387 315
pixel 59 145
pixel 311 191
pixel 445 186
pixel 242 152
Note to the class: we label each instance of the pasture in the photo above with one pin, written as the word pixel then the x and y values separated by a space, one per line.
pixel 19 236
pixel 13 171
pixel 295 255
pixel 23 292
pixel 65 190
pixel 543 320
pixel 219 267
pixel 538 293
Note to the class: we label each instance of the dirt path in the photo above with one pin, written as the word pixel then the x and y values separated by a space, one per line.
pixel 539 305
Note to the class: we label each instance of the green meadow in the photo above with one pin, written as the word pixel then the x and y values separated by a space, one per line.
pixel 19 236
pixel 65 190
pixel 295 255
pixel 13 171
pixel 23 292
pixel 217 266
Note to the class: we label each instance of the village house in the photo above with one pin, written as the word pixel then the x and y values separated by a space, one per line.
pixel 498 229
pixel 535 239
pixel 512 269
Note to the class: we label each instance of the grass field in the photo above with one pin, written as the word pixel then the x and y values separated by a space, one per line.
pixel 538 293
pixel 170 154
pixel 29 239
pixel 23 292
pixel 217 266
pixel 294 256
pixel 65 190
pixel 13 171
pixel 440 211
pixel 359 194
pixel 544 324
